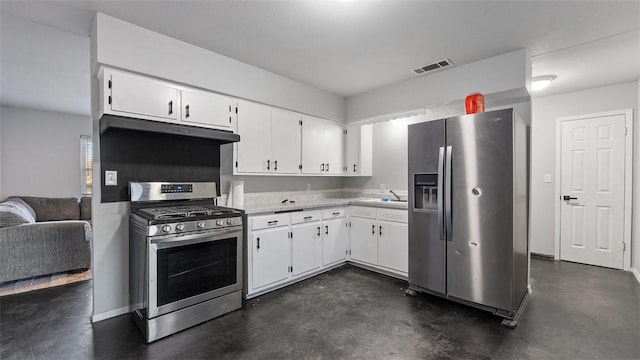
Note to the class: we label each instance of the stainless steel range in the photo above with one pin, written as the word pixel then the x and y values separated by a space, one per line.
pixel 185 257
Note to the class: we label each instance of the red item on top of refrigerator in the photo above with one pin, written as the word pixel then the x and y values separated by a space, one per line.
pixel 474 103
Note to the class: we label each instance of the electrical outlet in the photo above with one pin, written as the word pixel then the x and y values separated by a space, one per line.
pixel 382 188
pixel 547 178
pixel 110 178
pixel 308 187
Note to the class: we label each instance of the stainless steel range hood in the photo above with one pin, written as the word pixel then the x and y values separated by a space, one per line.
pixel 119 122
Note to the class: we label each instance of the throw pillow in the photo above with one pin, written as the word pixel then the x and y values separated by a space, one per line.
pixel 18 199
pixel 14 213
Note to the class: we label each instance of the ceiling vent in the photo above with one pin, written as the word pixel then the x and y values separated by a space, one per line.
pixel 433 66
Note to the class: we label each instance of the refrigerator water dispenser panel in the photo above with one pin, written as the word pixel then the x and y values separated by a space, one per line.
pixel 426 191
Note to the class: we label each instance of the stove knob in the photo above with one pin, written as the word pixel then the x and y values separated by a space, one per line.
pixel 219 222
pixel 180 227
pixel 200 225
pixel 166 228
pixel 229 222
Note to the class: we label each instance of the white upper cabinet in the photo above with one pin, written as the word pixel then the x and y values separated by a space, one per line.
pixel 138 96
pixel 359 150
pixel 334 148
pixel 254 127
pixel 269 140
pixel 313 146
pixel 205 108
pixel 322 147
pixel 285 142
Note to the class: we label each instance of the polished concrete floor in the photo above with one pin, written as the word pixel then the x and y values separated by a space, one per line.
pixel 575 311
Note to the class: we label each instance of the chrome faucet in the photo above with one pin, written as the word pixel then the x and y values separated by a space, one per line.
pixel 396 195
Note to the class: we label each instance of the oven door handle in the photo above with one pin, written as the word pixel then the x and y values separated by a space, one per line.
pixel 173 240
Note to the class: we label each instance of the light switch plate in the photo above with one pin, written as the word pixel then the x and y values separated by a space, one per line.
pixel 547 178
pixel 110 178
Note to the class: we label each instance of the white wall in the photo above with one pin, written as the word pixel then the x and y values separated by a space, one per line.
pixel 134 48
pixel 390 151
pixel 545 110
pixel 130 47
pixel 635 246
pixel 1 152
pixel 498 74
pixel 41 152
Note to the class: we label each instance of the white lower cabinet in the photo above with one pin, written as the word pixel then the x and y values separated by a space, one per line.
pixel 334 241
pixel 379 238
pixel 306 248
pixel 287 247
pixel 363 240
pixel 270 260
pixel 393 245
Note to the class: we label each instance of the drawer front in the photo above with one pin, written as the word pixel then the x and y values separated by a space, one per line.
pixel 333 213
pixel 269 221
pixel 305 217
pixel 393 215
pixel 363 212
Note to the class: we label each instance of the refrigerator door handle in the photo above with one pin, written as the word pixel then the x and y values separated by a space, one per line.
pixel 440 196
pixel 447 204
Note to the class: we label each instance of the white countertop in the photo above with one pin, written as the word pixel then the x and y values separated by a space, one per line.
pixel 325 202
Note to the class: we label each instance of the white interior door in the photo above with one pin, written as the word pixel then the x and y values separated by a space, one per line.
pixel 593 184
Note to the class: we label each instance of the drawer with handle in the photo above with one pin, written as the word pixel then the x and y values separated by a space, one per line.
pixel 333 213
pixel 305 216
pixel 269 221
pixel 363 212
pixel 393 215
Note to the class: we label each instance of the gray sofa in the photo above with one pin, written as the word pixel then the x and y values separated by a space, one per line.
pixel 41 236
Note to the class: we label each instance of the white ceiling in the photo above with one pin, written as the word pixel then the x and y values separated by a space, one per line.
pixel 350 47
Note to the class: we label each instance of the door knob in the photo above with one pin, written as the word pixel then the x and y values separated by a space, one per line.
pixel 567 198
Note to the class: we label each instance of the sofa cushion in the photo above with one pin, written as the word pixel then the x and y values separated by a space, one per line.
pixel 27 206
pixel 52 209
pixel 14 213
pixel 85 208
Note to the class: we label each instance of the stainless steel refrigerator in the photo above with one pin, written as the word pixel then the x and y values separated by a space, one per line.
pixel 468 211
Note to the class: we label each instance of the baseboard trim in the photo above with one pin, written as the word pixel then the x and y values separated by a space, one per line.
pixel 109 314
pixel 542 256
pixel 636 273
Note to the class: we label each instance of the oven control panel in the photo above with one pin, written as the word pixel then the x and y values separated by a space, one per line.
pixel 176 188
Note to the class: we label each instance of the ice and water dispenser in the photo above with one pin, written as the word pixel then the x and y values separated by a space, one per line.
pixel 426 191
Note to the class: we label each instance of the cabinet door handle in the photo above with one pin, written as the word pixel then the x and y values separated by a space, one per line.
pixel 170 107
pixel 380 230
pixel 268 164
pixel 186 108
pixel 318 230
pixel 327 167
pixel 275 165
pixel 373 229
pixel 258 243
pixel 326 229
pixel 354 167
pixel 273 222
pixel 322 167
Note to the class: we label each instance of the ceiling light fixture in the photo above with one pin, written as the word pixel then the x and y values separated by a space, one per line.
pixel 541 82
